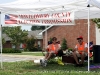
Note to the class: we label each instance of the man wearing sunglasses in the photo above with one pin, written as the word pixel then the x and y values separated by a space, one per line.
pixel 80 51
pixel 52 49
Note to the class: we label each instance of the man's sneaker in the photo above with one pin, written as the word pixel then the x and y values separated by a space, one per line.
pixel 77 65
pixel 45 63
pixel 81 65
pixel 41 62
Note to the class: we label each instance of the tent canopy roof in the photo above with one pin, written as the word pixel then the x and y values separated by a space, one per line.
pixel 47 6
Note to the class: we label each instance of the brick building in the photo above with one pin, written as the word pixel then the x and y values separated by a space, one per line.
pixel 39 41
pixel 71 32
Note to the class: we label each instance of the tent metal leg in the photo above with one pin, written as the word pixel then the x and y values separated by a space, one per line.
pixel 1 41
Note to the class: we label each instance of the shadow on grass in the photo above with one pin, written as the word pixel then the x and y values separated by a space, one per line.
pixel 55 67
pixel 27 66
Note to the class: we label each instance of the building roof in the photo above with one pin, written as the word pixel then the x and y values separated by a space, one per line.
pixel 35 33
pixel 45 30
pixel 6 37
pixel 30 33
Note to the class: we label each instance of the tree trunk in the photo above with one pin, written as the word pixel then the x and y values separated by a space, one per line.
pixel 17 47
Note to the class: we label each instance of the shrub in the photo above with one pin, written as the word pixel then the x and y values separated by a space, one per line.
pixel 36 49
pixel 30 43
pixel 10 50
pixel 70 49
pixel 64 44
pixel 17 51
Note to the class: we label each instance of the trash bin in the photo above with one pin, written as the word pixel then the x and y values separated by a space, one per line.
pixel 96 53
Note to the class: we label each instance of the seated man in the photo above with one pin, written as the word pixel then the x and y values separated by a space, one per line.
pixel 80 51
pixel 52 49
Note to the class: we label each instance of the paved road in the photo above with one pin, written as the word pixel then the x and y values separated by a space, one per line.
pixel 14 58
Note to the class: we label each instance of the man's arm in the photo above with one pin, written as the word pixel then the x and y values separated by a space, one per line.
pixel 59 47
pixel 75 49
pixel 86 47
pixel 46 49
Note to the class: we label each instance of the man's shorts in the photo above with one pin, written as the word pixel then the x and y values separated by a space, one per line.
pixel 79 54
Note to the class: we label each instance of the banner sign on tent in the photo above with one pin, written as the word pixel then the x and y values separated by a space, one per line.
pixel 61 18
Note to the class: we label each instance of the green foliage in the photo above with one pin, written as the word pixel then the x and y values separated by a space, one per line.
pixel 10 50
pixel 37 49
pixel 70 49
pixel 3 41
pixel 16 34
pixel 50 40
pixel 30 43
pixel 4 29
pixel 37 28
pixel 97 21
pixel 64 44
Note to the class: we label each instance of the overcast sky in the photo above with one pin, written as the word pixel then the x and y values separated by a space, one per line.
pixel 27 27
pixel 6 1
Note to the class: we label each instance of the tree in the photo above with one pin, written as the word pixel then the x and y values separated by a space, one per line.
pixel 17 35
pixel 30 43
pixel 5 28
pixel 50 41
pixel 37 28
pixel 97 21
pixel 64 44
pixel 3 41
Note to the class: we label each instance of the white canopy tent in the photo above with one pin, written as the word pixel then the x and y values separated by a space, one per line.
pixel 44 6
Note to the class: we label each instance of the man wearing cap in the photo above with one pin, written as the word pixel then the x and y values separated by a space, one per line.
pixel 80 51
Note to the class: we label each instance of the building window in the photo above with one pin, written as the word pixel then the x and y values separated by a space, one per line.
pixel 21 46
pixel 13 46
pixel 39 43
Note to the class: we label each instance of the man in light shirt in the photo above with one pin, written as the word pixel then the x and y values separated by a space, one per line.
pixel 52 49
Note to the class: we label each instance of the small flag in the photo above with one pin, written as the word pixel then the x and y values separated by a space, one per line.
pixel 11 19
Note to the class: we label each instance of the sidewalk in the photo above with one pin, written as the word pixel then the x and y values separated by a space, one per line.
pixel 14 58
pixel 23 56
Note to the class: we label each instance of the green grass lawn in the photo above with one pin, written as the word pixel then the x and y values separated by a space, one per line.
pixel 26 53
pixel 29 68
